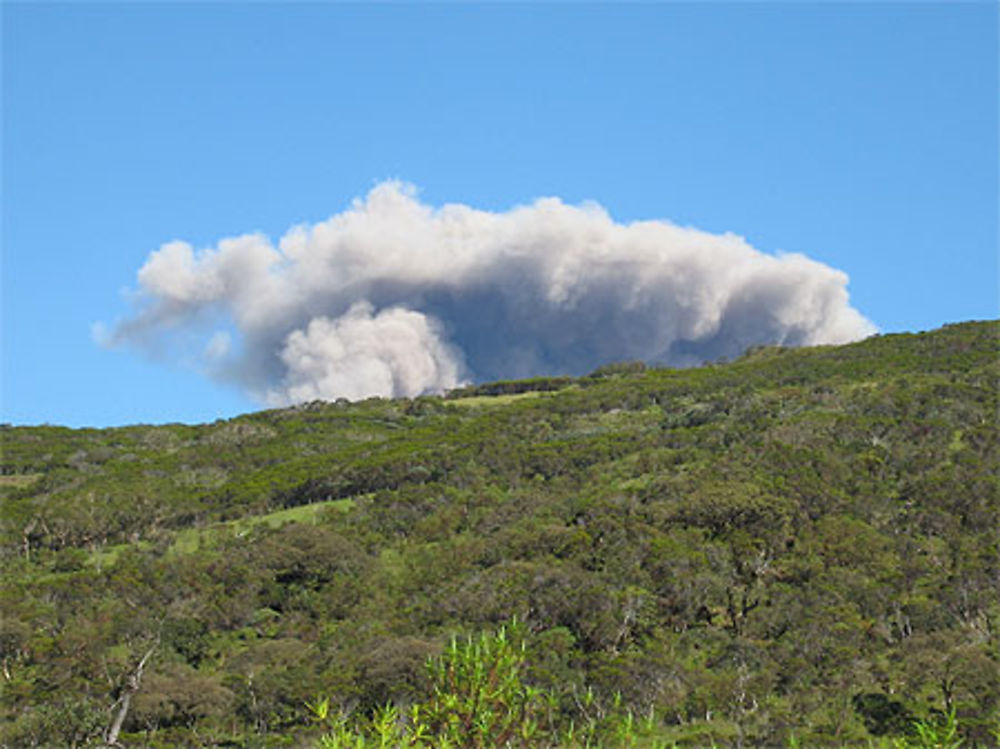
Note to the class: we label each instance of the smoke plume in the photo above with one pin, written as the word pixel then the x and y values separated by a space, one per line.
pixel 397 298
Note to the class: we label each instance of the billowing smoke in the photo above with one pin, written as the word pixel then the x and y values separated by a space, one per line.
pixel 397 298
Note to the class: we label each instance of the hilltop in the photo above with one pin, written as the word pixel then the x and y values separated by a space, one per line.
pixel 798 541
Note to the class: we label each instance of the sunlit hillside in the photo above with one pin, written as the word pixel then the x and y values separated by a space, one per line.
pixel 800 545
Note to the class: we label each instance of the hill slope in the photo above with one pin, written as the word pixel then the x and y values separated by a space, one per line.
pixel 798 540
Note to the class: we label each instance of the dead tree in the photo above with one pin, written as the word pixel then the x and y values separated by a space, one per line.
pixel 132 683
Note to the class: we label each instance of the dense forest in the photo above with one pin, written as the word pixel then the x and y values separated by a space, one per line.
pixel 798 547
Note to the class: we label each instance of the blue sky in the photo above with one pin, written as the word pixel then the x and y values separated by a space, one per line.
pixel 864 136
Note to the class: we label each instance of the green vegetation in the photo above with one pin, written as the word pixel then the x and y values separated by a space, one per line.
pixel 18 480
pixel 480 699
pixel 797 548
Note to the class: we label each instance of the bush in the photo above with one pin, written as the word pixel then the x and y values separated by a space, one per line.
pixel 480 699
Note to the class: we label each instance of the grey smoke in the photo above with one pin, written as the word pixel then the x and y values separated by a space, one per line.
pixel 397 298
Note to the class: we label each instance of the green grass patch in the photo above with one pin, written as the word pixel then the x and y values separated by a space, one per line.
pixel 191 539
pixel 496 400
pixel 108 555
pixel 18 480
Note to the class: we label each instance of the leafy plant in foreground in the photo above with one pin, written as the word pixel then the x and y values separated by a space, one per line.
pixel 480 700
pixel 931 734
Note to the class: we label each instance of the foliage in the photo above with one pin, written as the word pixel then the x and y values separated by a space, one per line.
pixel 934 734
pixel 480 699
pixel 800 542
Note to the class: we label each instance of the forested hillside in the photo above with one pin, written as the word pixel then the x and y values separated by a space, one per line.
pixel 800 545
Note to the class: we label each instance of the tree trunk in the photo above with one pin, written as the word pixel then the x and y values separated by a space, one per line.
pixel 132 684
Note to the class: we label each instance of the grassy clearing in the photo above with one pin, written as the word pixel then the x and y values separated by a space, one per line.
pixel 191 540
pixel 18 480
pixel 108 555
pixel 496 400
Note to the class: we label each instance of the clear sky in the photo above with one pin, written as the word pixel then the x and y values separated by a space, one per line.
pixel 861 135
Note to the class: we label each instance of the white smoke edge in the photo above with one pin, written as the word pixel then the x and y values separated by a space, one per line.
pixel 362 354
pixel 393 297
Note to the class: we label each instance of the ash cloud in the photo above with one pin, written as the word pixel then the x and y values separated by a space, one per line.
pixel 397 298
